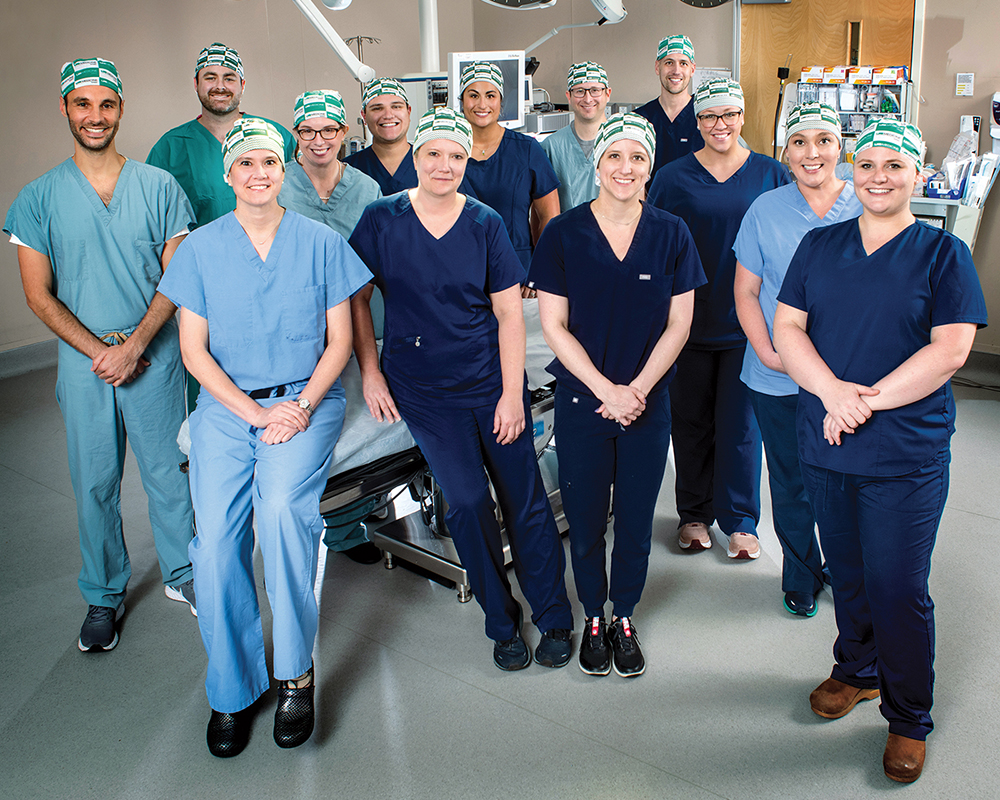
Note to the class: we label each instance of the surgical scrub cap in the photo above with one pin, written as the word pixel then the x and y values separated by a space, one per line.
pixel 624 125
pixel 251 133
pixel 443 123
pixel 218 53
pixel 678 43
pixel 718 92
pixel 813 117
pixel 586 72
pixel 90 72
pixel 319 103
pixel 382 86
pixel 902 137
pixel 480 71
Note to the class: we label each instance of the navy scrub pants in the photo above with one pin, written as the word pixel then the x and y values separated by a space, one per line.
pixel 878 535
pixel 461 448
pixel 802 562
pixel 595 453
pixel 716 441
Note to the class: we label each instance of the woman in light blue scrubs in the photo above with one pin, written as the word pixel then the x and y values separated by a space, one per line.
pixel 874 317
pixel 771 231
pixel 615 281
pixel 453 369
pixel 265 328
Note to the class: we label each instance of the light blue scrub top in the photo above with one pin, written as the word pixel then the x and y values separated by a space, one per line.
pixel 771 231
pixel 105 259
pixel 266 319
pixel 577 181
pixel 341 212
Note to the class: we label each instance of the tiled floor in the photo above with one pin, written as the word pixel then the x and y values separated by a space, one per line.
pixel 410 704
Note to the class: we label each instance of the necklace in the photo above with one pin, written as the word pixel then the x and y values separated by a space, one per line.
pixel 616 222
pixel 274 230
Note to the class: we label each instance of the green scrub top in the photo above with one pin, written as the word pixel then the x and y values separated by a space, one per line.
pixel 577 176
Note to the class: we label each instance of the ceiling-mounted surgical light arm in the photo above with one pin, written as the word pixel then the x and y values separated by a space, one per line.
pixel 361 72
pixel 612 11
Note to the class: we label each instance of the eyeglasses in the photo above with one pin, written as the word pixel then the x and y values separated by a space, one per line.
pixel 594 91
pixel 308 134
pixel 711 120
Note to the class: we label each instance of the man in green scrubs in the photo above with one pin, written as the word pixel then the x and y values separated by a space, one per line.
pixel 192 152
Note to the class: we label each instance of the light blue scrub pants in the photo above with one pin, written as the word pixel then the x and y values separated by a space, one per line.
pixel 235 479
pixel 100 418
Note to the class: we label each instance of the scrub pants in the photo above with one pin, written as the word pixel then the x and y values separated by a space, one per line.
pixel 461 448
pixel 593 454
pixel 147 413
pixel 716 441
pixel 236 480
pixel 802 562
pixel 878 535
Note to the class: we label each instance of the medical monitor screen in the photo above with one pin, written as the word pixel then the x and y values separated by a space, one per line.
pixel 511 63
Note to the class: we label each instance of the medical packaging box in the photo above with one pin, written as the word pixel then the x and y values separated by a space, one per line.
pixel 888 76
pixel 835 75
pixel 860 75
pixel 811 75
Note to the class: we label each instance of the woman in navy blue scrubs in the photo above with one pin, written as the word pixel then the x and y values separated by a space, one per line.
pixel 874 317
pixel 453 369
pixel 615 281
pixel 509 171
pixel 717 444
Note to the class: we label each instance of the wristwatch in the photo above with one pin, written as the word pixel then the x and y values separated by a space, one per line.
pixel 305 405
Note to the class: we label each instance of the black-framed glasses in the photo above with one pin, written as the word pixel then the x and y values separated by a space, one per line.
pixel 711 120
pixel 308 134
pixel 594 91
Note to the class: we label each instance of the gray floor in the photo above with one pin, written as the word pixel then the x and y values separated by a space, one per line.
pixel 410 704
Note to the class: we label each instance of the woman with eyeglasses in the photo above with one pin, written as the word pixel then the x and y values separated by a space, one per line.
pixel 717 443
pixel 320 186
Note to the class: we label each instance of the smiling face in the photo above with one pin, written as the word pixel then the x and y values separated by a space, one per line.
pixel 219 89
pixel 813 156
pixel 440 165
pixel 256 178
pixel 720 134
pixel 387 117
pixel 675 72
pixel 884 180
pixel 481 103
pixel 588 107
pixel 319 151
pixel 623 169
pixel 93 113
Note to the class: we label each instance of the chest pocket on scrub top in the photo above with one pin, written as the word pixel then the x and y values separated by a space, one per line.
pixel 148 254
pixel 303 313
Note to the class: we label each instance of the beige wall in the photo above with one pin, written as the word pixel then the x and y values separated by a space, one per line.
pixel 960 36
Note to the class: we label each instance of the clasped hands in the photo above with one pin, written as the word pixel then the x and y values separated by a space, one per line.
pixel 281 421
pixel 846 409
pixel 622 403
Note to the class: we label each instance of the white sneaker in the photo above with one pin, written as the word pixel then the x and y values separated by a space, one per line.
pixel 743 546
pixel 183 593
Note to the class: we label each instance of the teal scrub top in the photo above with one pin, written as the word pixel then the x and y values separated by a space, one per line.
pixel 105 259
pixel 576 173
pixel 350 197
pixel 193 156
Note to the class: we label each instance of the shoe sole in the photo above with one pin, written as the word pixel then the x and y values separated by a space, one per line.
pixel 599 673
pixel 695 546
pixel 635 674
pixel 96 648
pixel 864 694
pixel 743 555
pixel 554 664
pixel 175 594
pixel 513 667
pixel 806 614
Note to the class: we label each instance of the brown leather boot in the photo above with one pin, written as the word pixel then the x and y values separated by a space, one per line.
pixel 903 759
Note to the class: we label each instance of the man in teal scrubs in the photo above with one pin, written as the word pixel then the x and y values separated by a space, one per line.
pixel 192 152
pixel 571 150
pixel 93 237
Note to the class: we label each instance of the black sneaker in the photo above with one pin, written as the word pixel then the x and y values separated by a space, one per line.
pixel 511 654
pixel 595 656
pixel 628 659
pixel 100 630
pixel 555 648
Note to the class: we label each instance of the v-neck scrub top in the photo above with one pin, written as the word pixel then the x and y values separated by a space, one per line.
pixel 867 314
pixel 266 319
pixel 713 212
pixel 193 156
pixel 352 194
pixel 405 177
pixel 440 340
pixel 618 310
pixel 767 240
pixel 575 169
pixel 508 181
pixel 673 139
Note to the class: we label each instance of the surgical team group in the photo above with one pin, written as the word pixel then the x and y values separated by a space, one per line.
pixel 691 290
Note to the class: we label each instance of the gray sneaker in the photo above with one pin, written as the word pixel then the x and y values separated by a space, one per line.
pixel 100 629
pixel 183 593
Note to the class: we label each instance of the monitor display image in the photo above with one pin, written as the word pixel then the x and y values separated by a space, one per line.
pixel 511 63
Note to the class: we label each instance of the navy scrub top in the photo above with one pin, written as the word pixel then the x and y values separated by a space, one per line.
pixel 713 212
pixel 867 315
pixel 673 139
pixel 517 173
pixel 618 310
pixel 404 178
pixel 440 343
